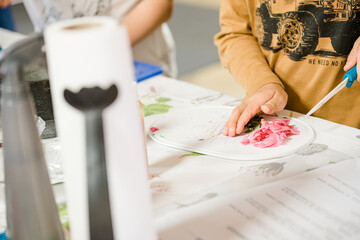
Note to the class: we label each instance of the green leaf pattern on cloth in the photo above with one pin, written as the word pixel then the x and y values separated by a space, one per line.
pixel 155 108
pixel 63 214
pixel 162 100
pixel 192 154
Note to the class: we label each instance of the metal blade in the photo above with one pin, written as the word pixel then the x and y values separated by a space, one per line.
pixel 328 97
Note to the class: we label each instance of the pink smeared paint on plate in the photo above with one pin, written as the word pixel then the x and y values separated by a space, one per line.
pixel 153 129
pixel 270 134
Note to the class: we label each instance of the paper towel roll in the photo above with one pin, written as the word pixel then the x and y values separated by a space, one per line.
pixel 89 52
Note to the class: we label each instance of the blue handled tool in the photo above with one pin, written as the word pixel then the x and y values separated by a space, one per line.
pixel 350 76
pixel 348 79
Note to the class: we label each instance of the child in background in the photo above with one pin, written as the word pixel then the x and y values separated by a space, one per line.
pixel 5 3
pixel 145 20
pixel 290 54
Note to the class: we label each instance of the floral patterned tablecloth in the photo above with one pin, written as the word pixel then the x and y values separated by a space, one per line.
pixel 180 179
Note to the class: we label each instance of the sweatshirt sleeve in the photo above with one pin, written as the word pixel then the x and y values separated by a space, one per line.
pixel 238 48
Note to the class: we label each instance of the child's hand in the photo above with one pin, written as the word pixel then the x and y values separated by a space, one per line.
pixel 268 99
pixel 354 58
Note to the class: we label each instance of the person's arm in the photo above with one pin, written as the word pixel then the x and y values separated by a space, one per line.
pixel 5 3
pixel 146 17
pixel 240 53
pixel 354 58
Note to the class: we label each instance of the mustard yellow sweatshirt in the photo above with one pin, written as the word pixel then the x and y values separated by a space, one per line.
pixel 301 45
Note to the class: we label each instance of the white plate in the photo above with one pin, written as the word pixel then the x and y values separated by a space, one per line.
pixel 199 130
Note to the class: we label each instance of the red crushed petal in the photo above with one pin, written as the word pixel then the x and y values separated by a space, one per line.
pixel 271 134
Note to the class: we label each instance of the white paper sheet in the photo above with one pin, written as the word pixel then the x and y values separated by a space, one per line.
pixel 320 204
pixel 7 37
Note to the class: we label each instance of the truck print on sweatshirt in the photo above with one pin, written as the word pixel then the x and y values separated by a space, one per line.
pixel 298 26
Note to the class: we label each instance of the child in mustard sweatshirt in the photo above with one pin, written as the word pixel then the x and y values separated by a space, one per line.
pixel 290 54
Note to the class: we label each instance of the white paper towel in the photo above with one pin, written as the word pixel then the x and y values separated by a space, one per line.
pixel 88 52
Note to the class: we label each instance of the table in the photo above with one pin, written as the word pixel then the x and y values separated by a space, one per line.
pixel 179 178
